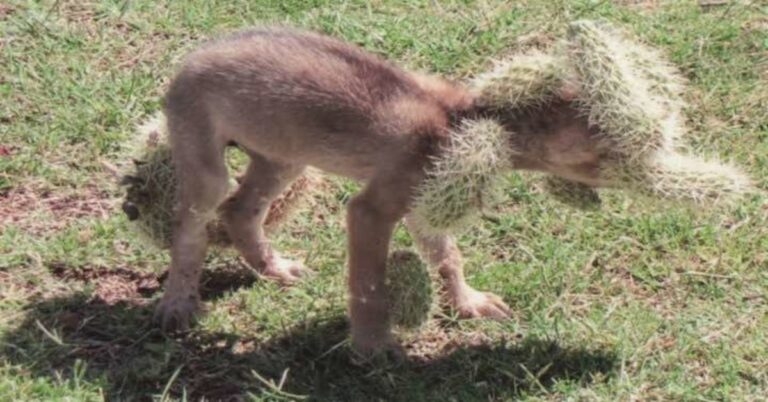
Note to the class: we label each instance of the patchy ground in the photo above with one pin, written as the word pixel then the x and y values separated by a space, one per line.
pixel 638 301
pixel 42 212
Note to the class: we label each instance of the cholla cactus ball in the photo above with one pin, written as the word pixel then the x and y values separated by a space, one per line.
pixel 613 95
pixel 150 199
pixel 410 292
pixel 464 177
pixel 634 96
pixel 525 80
pixel 672 175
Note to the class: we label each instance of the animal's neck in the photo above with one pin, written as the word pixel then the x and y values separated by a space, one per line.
pixel 463 176
pixel 554 132
pixel 521 133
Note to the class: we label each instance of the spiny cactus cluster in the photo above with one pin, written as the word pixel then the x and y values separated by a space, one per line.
pixel 151 187
pixel 612 93
pixel 523 81
pixel 150 199
pixel 410 290
pixel 633 96
pixel 672 175
pixel 463 178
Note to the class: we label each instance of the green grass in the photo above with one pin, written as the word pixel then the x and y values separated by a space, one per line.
pixel 639 300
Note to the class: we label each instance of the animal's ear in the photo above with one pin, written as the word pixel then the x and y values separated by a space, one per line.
pixel 569 91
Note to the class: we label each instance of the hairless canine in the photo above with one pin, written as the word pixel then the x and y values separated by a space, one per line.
pixel 292 99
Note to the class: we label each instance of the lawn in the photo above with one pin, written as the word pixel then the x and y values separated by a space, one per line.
pixel 637 301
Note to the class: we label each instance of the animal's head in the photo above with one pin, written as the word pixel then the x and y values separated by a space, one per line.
pixel 555 138
pixel 600 110
pixel 532 98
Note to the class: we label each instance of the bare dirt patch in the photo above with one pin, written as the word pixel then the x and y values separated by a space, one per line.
pixel 5 11
pixel 759 24
pixel 435 342
pixel 112 285
pixel 44 211
pixel 76 12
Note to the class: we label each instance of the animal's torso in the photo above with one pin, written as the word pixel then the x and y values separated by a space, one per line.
pixel 308 99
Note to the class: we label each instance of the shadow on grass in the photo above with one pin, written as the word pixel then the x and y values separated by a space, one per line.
pixel 120 348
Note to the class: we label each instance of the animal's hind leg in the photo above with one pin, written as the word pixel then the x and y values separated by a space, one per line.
pixel 244 213
pixel 202 186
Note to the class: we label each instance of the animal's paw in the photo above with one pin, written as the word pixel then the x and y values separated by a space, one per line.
pixel 175 312
pixel 283 270
pixel 471 303
pixel 377 351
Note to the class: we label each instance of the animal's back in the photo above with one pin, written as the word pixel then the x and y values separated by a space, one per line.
pixel 286 66
pixel 296 96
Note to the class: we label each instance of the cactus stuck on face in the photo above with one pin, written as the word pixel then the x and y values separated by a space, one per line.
pixel 675 176
pixel 525 80
pixel 614 94
pixel 151 187
pixel 633 96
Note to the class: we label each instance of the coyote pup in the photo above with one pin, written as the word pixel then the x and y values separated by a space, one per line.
pixel 292 99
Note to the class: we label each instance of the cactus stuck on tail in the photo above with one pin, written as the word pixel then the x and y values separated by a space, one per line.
pixel 150 199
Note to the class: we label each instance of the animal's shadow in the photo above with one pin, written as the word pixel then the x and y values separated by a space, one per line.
pixel 118 344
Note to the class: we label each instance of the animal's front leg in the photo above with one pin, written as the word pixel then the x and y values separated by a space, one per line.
pixel 371 219
pixel 444 256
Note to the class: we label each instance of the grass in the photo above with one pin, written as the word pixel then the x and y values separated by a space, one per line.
pixel 638 301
